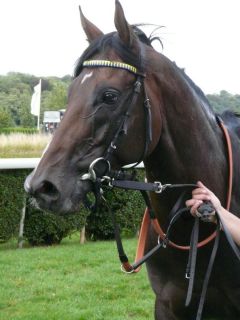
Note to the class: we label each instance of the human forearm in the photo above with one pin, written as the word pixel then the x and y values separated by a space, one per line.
pixel 232 223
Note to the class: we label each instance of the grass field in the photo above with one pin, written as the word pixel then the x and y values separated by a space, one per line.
pixel 23 145
pixel 71 281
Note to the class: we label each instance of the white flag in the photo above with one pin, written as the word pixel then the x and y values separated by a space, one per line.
pixel 36 99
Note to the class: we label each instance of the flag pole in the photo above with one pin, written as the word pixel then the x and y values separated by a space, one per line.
pixel 38 122
pixel 36 102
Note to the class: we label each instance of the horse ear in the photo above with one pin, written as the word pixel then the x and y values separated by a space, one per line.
pixel 91 31
pixel 123 28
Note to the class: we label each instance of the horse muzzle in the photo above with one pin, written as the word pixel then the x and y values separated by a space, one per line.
pixel 44 191
pixel 58 198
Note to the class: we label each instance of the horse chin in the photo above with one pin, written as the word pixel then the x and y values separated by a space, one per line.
pixel 64 207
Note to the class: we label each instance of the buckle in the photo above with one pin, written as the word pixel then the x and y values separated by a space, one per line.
pixel 92 172
pixel 161 187
pixel 163 242
pixel 127 272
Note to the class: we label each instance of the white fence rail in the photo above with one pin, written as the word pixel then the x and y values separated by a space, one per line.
pixel 29 163
pixel 19 163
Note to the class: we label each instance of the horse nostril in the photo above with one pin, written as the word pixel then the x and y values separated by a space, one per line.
pixel 47 189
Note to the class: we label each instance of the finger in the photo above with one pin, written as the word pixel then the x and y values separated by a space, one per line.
pixel 193 204
pixel 195 207
pixel 202 196
pixel 189 203
pixel 201 185
pixel 200 190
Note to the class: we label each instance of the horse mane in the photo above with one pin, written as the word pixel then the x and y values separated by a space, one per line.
pixel 197 89
pixel 109 40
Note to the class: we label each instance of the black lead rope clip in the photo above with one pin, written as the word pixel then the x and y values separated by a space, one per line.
pixel 206 212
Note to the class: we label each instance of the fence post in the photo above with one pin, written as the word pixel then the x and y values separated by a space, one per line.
pixel 21 225
pixel 82 235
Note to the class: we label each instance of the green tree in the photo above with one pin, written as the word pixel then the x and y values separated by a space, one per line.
pixel 55 99
pixel 26 118
pixel 15 94
pixel 223 101
pixel 5 119
pixel 16 90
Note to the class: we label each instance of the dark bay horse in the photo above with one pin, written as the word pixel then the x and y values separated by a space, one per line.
pixel 113 78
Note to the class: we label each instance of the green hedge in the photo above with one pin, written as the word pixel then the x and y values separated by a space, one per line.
pixel 18 130
pixel 128 207
pixel 46 228
pixel 42 227
pixel 11 202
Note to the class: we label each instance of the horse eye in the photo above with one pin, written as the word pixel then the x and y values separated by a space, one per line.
pixel 110 97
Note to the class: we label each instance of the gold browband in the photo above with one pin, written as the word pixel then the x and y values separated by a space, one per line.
pixel 111 64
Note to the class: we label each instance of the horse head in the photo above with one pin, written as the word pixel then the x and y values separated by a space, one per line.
pixel 105 117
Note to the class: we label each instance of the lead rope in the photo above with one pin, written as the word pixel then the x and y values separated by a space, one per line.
pixel 208 273
pixel 192 258
pixel 216 242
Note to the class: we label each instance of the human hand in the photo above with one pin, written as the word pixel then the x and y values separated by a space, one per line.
pixel 201 194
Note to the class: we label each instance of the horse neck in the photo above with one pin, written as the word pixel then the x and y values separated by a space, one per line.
pixel 191 142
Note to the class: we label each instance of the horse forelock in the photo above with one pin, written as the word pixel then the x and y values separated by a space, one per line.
pixel 110 40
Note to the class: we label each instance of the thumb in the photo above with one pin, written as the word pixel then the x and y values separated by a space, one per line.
pixel 200 184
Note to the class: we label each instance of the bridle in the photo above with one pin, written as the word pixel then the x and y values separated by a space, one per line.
pixel 123 127
pixel 100 169
pixel 120 179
